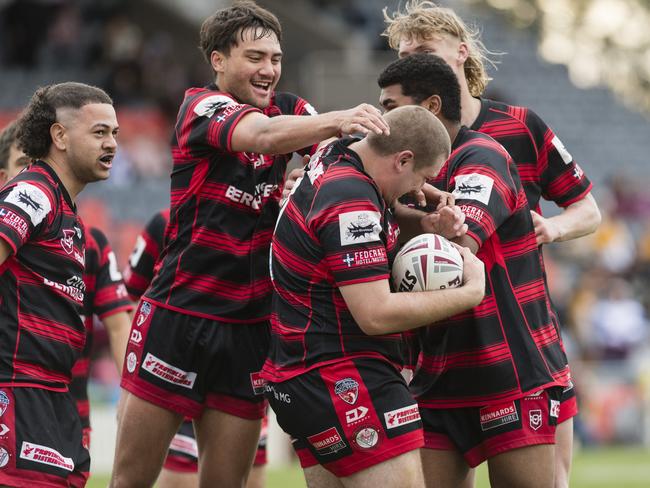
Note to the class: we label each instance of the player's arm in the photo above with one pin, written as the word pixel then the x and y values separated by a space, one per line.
pixel 257 133
pixel 378 311
pixel 577 220
pixel 5 251
pixel 447 221
pixel 118 326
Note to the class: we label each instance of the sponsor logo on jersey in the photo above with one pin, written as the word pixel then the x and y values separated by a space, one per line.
pixel 4 457
pixel 209 105
pixel 309 108
pixel 535 419
pixel 498 415
pixel 262 192
pixel 559 146
pixel 359 227
pixel 4 402
pixel 67 241
pixel 402 416
pixel 367 438
pixel 348 390
pixel 473 187
pixel 355 415
pixel 131 362
pixel 15 221
pixel 45 455
pixel 327 442
pixel 136 336
pixel 167 372
pixel 73 291
pixel 258 383
pixel 278 395
pixel 472 212
pixel 554 410
pixel 32 200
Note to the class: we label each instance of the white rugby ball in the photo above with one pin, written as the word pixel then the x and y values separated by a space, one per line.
pixel 427 262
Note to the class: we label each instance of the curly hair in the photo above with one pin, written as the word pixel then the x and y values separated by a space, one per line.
pixel 423 75
pixel 423 20
pixel 7 138
pixel 225 28
pixel 33 132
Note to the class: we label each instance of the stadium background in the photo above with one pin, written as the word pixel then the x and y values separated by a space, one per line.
pixel 583 65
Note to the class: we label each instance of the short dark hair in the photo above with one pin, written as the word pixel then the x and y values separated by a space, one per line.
pixel 423 75
pixel 33 133
pixel 7 138
pixel 225 28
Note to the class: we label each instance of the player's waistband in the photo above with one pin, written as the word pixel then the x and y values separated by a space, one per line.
pixel 216 318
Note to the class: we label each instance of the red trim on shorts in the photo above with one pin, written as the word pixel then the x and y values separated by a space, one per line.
pixel 306 458
pixel 496 445
pixel 568 409
pixel 436 440
pixel 260 457
pixel 161 398
pixel 180 464
pixel 236 406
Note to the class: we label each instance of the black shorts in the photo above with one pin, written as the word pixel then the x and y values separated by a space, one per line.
pixel 348 416
pixel 185 363
pixel 41 439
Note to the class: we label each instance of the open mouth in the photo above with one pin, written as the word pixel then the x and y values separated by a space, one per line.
pixel 263 86
pixel 107 160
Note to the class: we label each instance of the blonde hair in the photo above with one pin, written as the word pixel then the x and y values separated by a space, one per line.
pixel 422 20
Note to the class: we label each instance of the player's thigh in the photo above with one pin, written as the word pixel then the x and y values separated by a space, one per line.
pixel 403 471
pixel 526 467
pixel 318 477
pixel 563 453
pixel 445 468
pixel 177 479
pixel 181 464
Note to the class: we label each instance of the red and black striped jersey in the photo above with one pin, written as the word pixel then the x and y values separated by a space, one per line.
pixel 41 283
pixel 105 296
pixel 507 346
pixel 224 205
pixel 335 230
pixel 141 266
pixel 545 166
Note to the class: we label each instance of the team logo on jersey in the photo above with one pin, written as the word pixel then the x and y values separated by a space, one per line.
pixel 45 455
pixel 258 383
pixel 327 442
pixel 4 402
pixel 473 187
pixel 359 227
pixel 348 390
pixel 367 438
pixel 32 200
pixel 4 457
pixel 167 372
pixel 566 156
pixel 209 105
pixel 67 241
pixel 498 415
pixel 145 310
pixel 535 418
pixel 555 408
pixel 131 362
pixel 402 416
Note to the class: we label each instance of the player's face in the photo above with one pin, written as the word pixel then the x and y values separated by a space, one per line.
pixel 445 46
pixel 252 70
pixel 91 133
pixel 392 97
pixel 15 163
pixel 412 180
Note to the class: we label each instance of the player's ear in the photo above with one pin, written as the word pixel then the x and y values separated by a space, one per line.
pixel 433 104
pixel 217 59
pixel 463 53
pixel 404 158
pixel 58 135
pixel 4 177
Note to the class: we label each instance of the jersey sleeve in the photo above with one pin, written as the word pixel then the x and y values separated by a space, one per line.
pixel 562 180
pixel 347 219
pixel 211 119
pixel 110 294
pixel 25 209
pixel 485 190
pixel 142 261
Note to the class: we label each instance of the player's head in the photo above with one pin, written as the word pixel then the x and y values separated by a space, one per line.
pixel 425 27
pixel 421 79
pixel 72 125
pixel 415 150
pixel 12 159
pixel 242 44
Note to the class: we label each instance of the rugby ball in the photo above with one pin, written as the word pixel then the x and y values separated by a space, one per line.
pixel 427 262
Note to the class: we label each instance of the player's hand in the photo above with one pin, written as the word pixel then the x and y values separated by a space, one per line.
pixel 291 181
pixel 362 119
pixel 473 274
pixel 545 230
pixel 448 222
pixel 430 196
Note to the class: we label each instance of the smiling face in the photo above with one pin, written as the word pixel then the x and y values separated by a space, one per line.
pixel 90 140
pixel 252 69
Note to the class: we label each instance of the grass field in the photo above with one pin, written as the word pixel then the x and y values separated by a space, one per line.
pixel 592 468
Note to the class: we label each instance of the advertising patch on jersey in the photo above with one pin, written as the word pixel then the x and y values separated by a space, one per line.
pixel 356 415
pixel 348 390
pixel 535 418
pixel 4 457
pixel 473 187
pixel 472 212
pixel 367 438
pixel 131 362
pixel 167 372
pixel 32 200
pixel 327 442
pixel 498 415
pixel 555 408
pixel 258 383
pixel 209 105
pixel 566 156
pixel 15 221
pixel 359 227
pixel 402 416
pixel 4 402
pixel 45 455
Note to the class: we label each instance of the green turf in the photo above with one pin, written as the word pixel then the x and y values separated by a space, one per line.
pixel 593 468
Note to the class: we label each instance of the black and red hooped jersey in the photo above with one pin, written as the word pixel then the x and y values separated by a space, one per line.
pixel 335 230
pixel 105 296
pixel 223 209
pixel 507 346
pixel 140 269
pixel 41 283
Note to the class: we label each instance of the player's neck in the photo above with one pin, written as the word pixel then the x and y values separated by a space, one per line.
pixel 471 106
pixel 71 183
